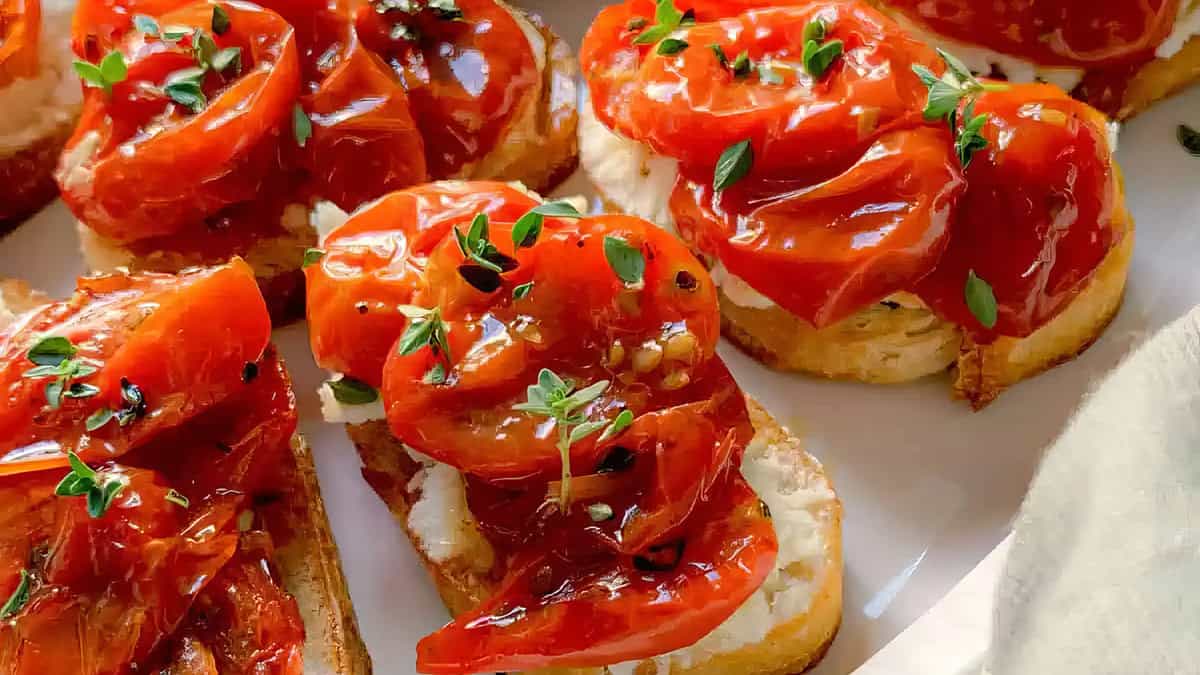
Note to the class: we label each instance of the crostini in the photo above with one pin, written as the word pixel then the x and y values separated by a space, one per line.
pixel 160 513
pixel 39 97
pixel 1117 55
pixel 523 384
pixel 869 208
pixel 212 129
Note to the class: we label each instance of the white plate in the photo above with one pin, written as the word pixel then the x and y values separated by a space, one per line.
pixel 929 488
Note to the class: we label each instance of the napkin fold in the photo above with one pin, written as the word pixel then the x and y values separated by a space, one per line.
pixel 1101 575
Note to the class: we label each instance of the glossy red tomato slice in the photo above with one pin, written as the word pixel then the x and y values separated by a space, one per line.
pixel 691 106
pixel 245 620
pixel 577 319
pixel 373 263
pixel 635 474
pixel 20 32
pixel 129 576
pixel 98 25
pixel 823 250
pixel 1037 216
pixel 1060 32
pixel 173 337
pixel 468 78
pixel 239 444
pixel 612 610
pixel 139 165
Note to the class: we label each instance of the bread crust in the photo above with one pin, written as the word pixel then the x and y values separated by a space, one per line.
pixel 27 177
pixel 469 576
pixel 1161 78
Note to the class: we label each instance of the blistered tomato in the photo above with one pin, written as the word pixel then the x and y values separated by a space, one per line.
pixel 1054 32
pixel 1038 214
pixel 150 347
pixel 142 164
pixel 20 31
pixel 469 72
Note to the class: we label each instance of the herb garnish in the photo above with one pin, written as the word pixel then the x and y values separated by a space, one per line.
pixel 671 46
pixel 620 423
pixel 946 93
pixel 54 357
pixel 521 292
pixel 818 53
pixel 112 69
pixel 557 399
pixel 133 406
pixel 980 300
pixel 529 226
pixel 625 260
pixel 146 25
pixel 312 256
pixel 426 329
pixel 740 66
pixel 667 19
pixel 733 165
pixel 301 125
pixel 178 498
pixel 1189 138
pixel 100 488
pixel 18 599
pixel 185 88
pixel 220 20
pixel 351 391
pixel 446 10
pixel 485 262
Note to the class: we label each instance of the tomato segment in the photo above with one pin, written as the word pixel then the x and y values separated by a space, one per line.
pixel 20 33
pixel 149 167
pixel 692 106
pixel 373 264
pixel 1060 32
pixel 468 77
pixel 155 332
pixel 863 234
pixel 577 317
pixel 129 576
pixel 579 613
pixel 1037 217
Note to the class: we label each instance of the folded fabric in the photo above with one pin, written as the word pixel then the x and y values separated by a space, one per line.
pixel 1104 571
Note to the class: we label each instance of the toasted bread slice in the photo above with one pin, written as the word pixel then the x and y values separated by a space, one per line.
pixel 784 628
pixel 1161 78
pixel 305 554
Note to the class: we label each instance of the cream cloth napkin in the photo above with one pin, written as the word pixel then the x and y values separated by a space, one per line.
pixel 1102 576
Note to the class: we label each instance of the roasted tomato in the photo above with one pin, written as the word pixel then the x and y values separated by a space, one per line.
pixel 20 31
pixel 470 72
pixel 373 264
pixel 1057 32
pixel 579 320
pixel 551 611
pixel 146 348
pixel 823 250
pixel 142 163
pixel 243 620
pixel 129 575
pixel 98 25
pixel 1037 216
pixel 692 104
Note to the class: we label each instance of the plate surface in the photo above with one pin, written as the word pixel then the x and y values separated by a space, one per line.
pixel 929 488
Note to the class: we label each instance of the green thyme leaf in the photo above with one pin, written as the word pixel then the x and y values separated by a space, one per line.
pixel 98 419
pixel 51 351
pixel 733 165
pixel 100 489
pixel 176 497
pixel 814 31
pixel 186 91
pixel 626 261
pixel 312 256
pixel 619 424
pixel 667 19
pixel 112 67
pixel 818 57
pixel 18 599
pixel 1189 138
pixel 671 46
pixel 220 21
pixel 228 59
pixel 350 391
pixel 427 330
pixel 742 65
pixel 722 58
pixel 521 292
pixel 301 125
pixel 145 25
pixel 529 226
pixel 435 375
pixel 981 300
